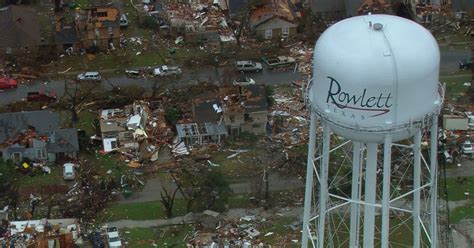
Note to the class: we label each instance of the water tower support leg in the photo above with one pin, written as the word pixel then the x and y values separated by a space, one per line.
pixel 354 231
pixel 309 181
pixel 370 190
pixel 416 187
pixel 323 190
pixel 434 181
pixel 387 162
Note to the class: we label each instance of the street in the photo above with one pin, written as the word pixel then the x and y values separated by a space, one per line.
pixel 449 64
pixel 188 77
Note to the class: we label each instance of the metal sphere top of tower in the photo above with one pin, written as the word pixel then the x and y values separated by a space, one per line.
pixel 375 75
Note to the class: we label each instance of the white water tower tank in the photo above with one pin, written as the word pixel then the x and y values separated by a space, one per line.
pixel 375 75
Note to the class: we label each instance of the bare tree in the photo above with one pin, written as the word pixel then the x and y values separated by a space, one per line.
pixel 76 97
pixel 243 20
pixel 168 200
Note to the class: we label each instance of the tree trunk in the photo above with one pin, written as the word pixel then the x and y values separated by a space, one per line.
pixel 168 201
pixel 74 117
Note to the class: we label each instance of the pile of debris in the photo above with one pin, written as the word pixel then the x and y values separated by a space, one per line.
pixel 304 56
pixel 289 118
pixel 199 20
pixel 216 230
pixel 41 233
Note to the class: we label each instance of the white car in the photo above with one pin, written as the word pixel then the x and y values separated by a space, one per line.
pixel 243 81
pixel 467 147
pixel 68 171
pixel 166 70
pixel 89 76
pixel 113 237
pixel 248 66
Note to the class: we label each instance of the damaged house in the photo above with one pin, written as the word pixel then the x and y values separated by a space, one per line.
pixel 66 31
pixel 245 109
pixel 208 126
pixel 36 135
pixel 274 19
pixel 122 128
pixel 199 23
pixel 20 28
pixel 101 27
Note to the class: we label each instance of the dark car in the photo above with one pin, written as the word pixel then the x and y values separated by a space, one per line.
pixel 96 240
pixel 465 64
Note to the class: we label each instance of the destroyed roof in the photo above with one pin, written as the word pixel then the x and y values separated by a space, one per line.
pixel 329 5
pixel 196 130
pixel 274 22
pixel 459 5
pixel 236 7
pixel 63 140
pixel 67 35
pixel 20 27
pixel 373 6
pixel 282 9
pixel 44 121
pixel 254 98
pixel 204 111
pixel 104 16
pixel 65 28
pixel 113 125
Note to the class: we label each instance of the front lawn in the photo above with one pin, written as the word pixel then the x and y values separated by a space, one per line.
pixel 172 236
pixel 142 210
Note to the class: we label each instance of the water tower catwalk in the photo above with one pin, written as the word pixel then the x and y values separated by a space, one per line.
pixel 372 156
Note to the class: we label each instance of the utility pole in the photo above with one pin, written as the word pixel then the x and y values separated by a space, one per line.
pixel 267 190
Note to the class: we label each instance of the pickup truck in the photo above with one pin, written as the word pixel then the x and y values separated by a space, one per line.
pixel 166 70
pixel 279 61
pixel 41 96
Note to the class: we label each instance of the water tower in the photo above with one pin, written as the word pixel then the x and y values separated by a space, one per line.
pixel 374 100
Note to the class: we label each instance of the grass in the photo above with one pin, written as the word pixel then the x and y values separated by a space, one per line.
pixel 280 228
pixel 172 236
pixel 456 189
pixel 155 209
pixel 86 121
pixel 239 167
pixel 454 85
pixel 39 180
pixel 143 210
pixel 239 201
pixel 108 162
pixel 460 213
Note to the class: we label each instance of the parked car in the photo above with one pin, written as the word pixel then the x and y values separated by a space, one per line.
pixel 7 83
pixel 123 20
pixel 248 66
pixel 465 64
pixel 89 76
pixel 279 61
pixel 68 171
pixel 448 158
pixel 113 237
pixel 133 73
pixel 96 240
pixel 467 147
pixel 41 96
pixel 166 70
pixel 243 81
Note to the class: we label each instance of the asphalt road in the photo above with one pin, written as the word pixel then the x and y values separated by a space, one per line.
pixel 189 77
pixel 449 64
pixel 450 59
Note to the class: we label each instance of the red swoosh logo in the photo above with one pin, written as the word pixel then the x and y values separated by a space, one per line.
pixel 383 111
